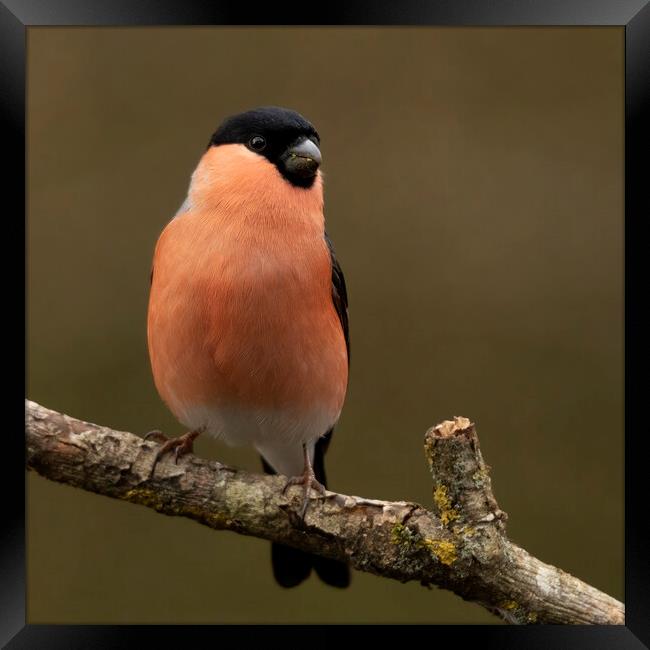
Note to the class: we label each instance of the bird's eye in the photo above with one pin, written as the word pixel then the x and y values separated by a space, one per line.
pixel 257 143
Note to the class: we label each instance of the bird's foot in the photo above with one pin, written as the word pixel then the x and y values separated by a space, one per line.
pixel 182 445
pixel 308 481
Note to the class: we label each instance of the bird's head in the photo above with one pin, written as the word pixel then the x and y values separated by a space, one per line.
pixel 281 136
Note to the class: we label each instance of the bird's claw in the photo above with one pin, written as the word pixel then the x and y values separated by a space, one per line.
pixel 308 481
pixel 181 450
pixel 182 445
pixel 157 436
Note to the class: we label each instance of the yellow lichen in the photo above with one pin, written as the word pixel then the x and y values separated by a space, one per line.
pixel 429 446
pixel 479 477
pixel 402 536
pixel 145 497
pixel 518 612
pixel 396 534
pixel 445 552
pixel 509 605
pixel 442 500
pixel 464 531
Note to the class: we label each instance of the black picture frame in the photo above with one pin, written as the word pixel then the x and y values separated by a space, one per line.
pixel 16 16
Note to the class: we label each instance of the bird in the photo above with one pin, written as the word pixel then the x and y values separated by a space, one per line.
pixel 247 323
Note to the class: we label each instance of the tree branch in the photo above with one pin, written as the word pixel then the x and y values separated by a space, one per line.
pixel 461 545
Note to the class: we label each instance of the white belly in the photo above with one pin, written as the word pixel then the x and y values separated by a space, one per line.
pixel 277 435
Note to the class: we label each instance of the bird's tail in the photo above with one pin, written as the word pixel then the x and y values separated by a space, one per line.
pixel 290 565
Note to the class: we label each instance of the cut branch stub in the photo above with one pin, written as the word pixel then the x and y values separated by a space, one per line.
pixel 462 491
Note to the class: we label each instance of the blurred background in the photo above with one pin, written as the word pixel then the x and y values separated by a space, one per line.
pixel 474 192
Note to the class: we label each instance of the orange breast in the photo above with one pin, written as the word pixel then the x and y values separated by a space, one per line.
pixel 240 311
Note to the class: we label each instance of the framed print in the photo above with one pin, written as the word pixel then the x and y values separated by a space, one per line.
pixel 416 228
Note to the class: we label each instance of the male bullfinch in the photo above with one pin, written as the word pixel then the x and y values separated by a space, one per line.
pixel 248 322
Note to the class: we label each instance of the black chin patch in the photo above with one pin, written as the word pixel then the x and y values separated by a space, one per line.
pixel 298 181
pixel 296 177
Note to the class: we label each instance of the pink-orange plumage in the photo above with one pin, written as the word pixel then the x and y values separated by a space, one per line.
pixel 240 313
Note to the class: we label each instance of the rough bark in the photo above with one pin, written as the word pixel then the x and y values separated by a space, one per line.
pixel 460 545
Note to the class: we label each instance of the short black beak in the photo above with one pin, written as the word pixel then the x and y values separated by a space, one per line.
pixel 302 159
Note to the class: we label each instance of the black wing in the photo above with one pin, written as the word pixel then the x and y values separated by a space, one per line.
pixel 339 294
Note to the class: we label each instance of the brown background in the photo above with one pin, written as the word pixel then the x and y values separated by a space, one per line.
pixel 474 194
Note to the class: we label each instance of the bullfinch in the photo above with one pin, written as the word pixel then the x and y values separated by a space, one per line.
pixel 248 318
